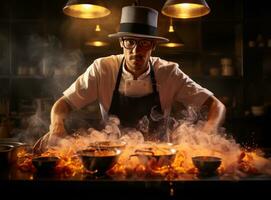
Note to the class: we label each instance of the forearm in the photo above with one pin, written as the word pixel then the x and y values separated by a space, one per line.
pixel 216 114
pixel 59 113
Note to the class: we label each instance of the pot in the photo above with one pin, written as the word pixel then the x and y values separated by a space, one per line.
pixel 153 158
pixel 110 145
pixel 17 148
pixel 5 153
pixel 99 161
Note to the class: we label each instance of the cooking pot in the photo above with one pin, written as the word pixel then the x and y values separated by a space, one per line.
pixel 17 147
pixel 155 157
pixel 5 153
pixel 110 145
pixel 99 161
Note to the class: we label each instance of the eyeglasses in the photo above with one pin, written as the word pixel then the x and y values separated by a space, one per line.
pixel 131 43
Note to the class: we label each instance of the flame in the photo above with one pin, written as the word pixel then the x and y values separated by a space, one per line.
pixel 189 141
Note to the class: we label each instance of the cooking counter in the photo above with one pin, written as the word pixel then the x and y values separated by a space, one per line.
pixel 13 182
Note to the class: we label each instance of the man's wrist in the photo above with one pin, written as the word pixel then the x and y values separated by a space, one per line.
pixel 57 128
pixel 60 123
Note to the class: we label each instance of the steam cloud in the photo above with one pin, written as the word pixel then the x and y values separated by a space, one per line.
pixel 49 59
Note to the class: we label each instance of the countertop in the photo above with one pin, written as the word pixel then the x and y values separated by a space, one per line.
pixel 13 181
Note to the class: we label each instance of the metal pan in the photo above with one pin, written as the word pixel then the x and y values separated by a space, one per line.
pixel 148 156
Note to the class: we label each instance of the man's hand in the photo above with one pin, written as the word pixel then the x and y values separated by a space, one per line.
pixel 216 115
pixel 59 112
pixel 50 139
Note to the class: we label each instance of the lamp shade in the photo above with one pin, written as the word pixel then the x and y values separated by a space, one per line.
pixel 86 9
pixel 185 9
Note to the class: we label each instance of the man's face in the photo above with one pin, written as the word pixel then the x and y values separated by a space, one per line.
pixel 137 52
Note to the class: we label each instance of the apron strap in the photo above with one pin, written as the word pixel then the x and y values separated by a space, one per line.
pixel 153 81
pixel 119 76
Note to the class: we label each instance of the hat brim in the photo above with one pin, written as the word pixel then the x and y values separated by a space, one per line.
pixel 123 34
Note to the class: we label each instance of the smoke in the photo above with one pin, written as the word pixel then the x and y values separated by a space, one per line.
pixel 31 129
pixel 188 140
pixel 50 59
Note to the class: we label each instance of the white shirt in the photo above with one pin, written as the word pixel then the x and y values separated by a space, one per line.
pixel 98 83
pixel 142 86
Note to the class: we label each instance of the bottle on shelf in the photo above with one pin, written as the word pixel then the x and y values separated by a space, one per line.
pixel 227 68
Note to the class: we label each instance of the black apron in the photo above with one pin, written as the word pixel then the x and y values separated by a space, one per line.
pixel 131 109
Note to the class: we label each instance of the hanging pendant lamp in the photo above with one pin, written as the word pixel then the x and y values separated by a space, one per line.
pixel 185 9
pixel 174 39
pixel 98 39
pixel 86 9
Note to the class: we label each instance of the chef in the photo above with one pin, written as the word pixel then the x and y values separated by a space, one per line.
pixel 131 84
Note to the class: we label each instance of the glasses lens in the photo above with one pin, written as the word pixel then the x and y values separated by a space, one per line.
pixel 131 43
pixel 145 43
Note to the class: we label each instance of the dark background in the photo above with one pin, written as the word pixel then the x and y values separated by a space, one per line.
pixel 42 52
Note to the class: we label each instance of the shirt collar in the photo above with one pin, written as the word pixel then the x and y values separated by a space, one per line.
pixel 128 75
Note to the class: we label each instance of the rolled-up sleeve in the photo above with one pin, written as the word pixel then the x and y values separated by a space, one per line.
pixel 84 90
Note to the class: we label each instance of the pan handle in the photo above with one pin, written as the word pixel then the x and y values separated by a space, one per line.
pixel 145 151
pixel 41 145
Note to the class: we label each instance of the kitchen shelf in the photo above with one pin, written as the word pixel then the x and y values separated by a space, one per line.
pixel 4 77
pixel 27 77
pixel 219 78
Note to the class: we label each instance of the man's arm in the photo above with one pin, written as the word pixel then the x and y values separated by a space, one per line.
pixel 216 114
pixel 59 113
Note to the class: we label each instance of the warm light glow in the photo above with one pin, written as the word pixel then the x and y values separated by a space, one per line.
pixel 174 40
pixel 184 5
pixel 171 29
pixel 184 10
pixel 96 43
pixel 97 28
pixel 86 11
pixel 171 44
pixel 97 39
pixel 86 7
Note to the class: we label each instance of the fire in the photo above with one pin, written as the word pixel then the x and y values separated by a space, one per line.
pixel 69 165
pixel 188 142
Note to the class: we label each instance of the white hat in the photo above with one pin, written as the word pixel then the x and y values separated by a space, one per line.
pixel 138 21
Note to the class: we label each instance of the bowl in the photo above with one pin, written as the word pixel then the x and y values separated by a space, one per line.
pixel 155 157
pixel 45 164
pixel 99 161
pixel 206 164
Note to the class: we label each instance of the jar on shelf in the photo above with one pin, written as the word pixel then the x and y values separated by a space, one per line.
pixel 227 68
pixel 251 44
pixel 214 71
pixel 22 70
